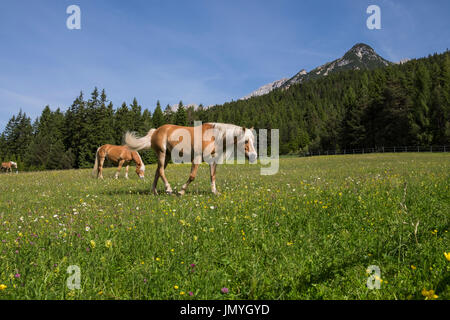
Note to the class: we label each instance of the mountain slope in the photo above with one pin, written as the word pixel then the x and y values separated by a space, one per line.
pixel 266 88
pixel 359 57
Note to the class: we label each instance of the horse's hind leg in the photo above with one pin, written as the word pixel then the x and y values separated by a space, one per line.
pixel 162 157
pixel 101 160
pixel 190 179
pixel 155 182
pixel 121 162
pixel 212 169
pixel 126 172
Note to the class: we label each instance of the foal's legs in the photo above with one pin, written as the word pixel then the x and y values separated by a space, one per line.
pixel 121 162
pixel 212 170
pixel 126 172
pixel 190 179
pixel 101 160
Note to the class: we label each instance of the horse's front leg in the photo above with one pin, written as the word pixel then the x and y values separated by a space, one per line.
pixel 121 162
pixel 212 170
pixel 190 179
pixel 126 172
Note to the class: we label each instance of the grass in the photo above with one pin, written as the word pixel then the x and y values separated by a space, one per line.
pixel 308 232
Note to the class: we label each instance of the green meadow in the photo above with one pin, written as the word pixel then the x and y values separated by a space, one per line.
pixel 309 232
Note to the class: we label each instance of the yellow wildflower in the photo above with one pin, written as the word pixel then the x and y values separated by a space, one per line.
pixel 429 294
pixel 413 267
pixel 3 287
pixel 447 255
pixel 175 287
pixel 108 243
pixel 379 279
pixel 92 244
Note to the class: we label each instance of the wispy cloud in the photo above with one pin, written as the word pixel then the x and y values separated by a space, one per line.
pixel 19 99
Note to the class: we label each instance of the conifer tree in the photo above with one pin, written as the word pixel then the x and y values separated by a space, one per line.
pixel 169 115
pixel 158 116
pixel 181 115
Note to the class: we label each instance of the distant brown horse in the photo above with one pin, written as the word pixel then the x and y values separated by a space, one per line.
pixel 7 166
pixel 167 137
pixel 118 154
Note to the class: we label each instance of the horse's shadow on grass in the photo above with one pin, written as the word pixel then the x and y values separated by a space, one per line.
pixel 149 192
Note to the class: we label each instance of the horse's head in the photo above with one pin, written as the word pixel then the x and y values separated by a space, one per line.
pixel 13 164
pixel 249 139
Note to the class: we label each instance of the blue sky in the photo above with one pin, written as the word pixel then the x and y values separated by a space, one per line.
pixel 206 52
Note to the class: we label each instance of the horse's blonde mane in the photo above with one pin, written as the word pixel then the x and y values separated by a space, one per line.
pixel 227 129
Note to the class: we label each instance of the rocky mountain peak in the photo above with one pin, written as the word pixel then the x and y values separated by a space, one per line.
pixel 360 57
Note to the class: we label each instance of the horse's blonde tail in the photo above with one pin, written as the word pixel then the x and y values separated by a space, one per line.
pixel 95 170
pixel 135 143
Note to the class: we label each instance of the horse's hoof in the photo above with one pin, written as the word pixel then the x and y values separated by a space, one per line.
pixel 181 193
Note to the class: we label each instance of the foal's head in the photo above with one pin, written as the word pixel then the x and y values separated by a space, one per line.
pixel 140 166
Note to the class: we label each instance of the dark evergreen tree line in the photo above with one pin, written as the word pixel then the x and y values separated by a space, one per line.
pixel 64 140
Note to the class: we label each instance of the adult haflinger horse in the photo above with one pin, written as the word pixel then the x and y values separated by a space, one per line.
pixel 196 144
pixel 7 166
pixel 118 154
